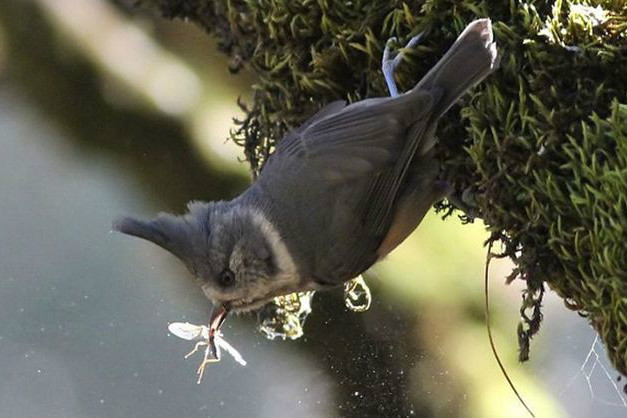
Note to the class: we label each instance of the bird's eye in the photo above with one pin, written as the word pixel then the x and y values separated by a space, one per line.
pixel 227 277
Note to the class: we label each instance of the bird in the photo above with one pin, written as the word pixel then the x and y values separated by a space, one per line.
pixel 337 195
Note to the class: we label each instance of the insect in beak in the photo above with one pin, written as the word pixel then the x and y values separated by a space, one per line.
pixel 210 336
pixel 218 315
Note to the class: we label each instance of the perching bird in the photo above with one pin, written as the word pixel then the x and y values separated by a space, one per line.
pixel 338 194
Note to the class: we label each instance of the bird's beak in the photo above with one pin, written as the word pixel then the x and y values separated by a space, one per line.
pixel 218 315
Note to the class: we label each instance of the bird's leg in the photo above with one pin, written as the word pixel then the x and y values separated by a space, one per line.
pixel 388 65
pixel 465 202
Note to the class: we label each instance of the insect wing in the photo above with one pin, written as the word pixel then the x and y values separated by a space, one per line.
pixel 186 331
pixel 221 343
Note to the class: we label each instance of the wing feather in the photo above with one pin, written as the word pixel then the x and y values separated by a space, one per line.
pixel 341 143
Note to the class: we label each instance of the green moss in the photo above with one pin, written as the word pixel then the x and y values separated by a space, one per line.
pixel 542 144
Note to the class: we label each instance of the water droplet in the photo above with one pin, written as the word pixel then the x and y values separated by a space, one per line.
pixel 285 316
pixel 357 296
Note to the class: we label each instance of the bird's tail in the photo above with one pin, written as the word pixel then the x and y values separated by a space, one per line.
pixel 469 60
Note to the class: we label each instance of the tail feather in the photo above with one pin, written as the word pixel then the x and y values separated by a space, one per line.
pixel 470 59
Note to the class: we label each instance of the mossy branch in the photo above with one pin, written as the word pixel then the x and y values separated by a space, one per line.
pixel 541 145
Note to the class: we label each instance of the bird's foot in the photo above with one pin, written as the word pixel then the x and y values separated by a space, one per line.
pixel 388 64
pixel 466 202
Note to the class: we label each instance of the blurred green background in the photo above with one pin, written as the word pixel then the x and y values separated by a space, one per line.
pixel 106 110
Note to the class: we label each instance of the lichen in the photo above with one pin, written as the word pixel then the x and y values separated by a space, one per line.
pixel 541 145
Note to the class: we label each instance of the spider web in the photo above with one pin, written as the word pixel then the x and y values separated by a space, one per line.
pixel 591 364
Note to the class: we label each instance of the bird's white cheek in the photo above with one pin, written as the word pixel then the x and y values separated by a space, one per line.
pixel 236 261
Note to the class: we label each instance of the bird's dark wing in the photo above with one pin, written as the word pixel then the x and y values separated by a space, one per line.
pixel 341 143
pixel 342 171
pixel 325 111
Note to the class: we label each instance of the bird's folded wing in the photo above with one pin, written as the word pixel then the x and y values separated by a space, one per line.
pixel 340 143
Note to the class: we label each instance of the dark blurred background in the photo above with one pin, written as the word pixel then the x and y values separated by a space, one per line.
pixel 106 110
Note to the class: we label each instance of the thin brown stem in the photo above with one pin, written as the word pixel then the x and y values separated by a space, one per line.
pixel 487 320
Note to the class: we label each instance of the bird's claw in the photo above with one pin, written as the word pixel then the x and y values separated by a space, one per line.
pixel 388 65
